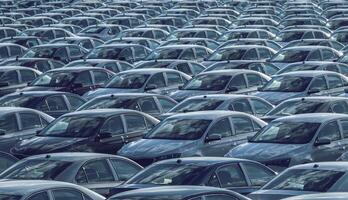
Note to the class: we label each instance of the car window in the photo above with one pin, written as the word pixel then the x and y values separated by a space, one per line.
pixel 231 176
pixel 238 82
pixel 84 78
pixel 74 102
pixel 250 55
pixel 188 55
pixel 27 76
pixel 124 169
pixel 260 107
pixel 330 131
pixel 219 197
pixel 344 124
pixel 158 80
pixel 39 196
pixel 332 68
pixel 196 68
pixel 327 54
pixel 53 103
pixel 8 123
pixel 94 172
pixel 11 77
pixel 148 105
pixel 67 194
pixel 201 53
pixel 100 77
pixel 339 107
pixel 113 126
pixel 184 67
pixel 61 53
pixel 135 123
pixel 221 128
pixel 241 105
pixel 166 104
pixel 314 56
pixel 15 51
pixel 3 52
pixel 258 175
pixel 318 83
pixel 242 125
pixel 75 52
pixel 214 181
pixel 140 52
pixel 334 81
pixel 264 53
pixel 173 78
pixel 30 121
pixel 254 80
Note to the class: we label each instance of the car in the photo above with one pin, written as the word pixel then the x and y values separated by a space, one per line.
pixel 311 178
pixel 95 171
pixel 37 21
pixel 338 67
pixel 238 175
pixel 245 33
pixel 13 78
pixel 321 196
pixel 152 33
pixel 48 33
pixel 252 41
pixel 102 31
pixel 25 41
pixel 77 80
pixel 11 50
pixel 52 103
pixel 39 189
pixel 194 33
pixel 17 124
pixel 88 43
pixel 319 104
pixel 219 21
pixel 296 139
pixel 316 42
pixel 124 21
pixel 151 104
pixel 236 81
pixel 130 53
pixel 170 20
pixel 286 36
pixel 159 81
pixel 41 64
pixel 101 131
pixel 302 84
pixel 242 103
pixel 201 133
pixel 179 193
pixel 147 42
pixel 209 43
pixel 82 21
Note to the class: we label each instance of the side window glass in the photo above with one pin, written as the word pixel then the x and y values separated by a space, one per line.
pixel 166 104
pixel 260 107
pixel 242 125
pixel 173 78
pixel 135 123
pixel 75 102
pixel 250 55
pixel 327 54
pixel 241 105
pixel 264 53
pixel 55 103
pixel 238 82
pixel 27 76
pixel 339 107
pixel 314 56
pixel 258 175
pixel 100 77
pixel 8 123
pixel 188 55
pixel 3 52
pixel 148 105
pixel 254 80
pixel 113 126
pixel 158 80
pixel 39 196
pixel 75 52
pixel 200 53
pixel 221 128
pixel 214 181
pixel 30 121
pixel 196 68
pixel 184 67
pixel 332 68
pixel 11 77
pixel 15 51
pixel 94 172
pixel 231 176
pixel 67 194
pixel 84 78
pixel 318 84
pixel 330 131
pixel 344 124
pixel 334 81
pixel 124 169
pixel 139 52
pixel 61 53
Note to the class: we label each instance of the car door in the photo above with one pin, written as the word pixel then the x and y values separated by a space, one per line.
pixel 136 127
pixel 54 106
pixel 260 108
pixel 99 78
pixel 156 84
pixel 344 129
pixel 9 82
pixel 256 174
pixel 165 104
pixel 243 127
pixel 82 83
pixel 68 194
pixel 318 86
pixel 241 105
pixel 174 81
pixel 220 129
pixel 336 85
pixel 148 105
pixel 254 81
pixel 332 151
pixel 124 169
pixel 237 85
pixel 9 128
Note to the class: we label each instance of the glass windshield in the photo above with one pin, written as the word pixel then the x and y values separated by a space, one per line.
pixel 117 102
pixel 179 129
pixel 191 105
pixel 291 56
pixel 168 174
pixel 36 169
pixel 9 197
pixel 209 82
pixel 72 126
pixel 287 84
pixel 105 53
pixel 129 81
pixel 41 52
pixel 290 36
pixel 297 107
pixel 54 79
pixel 17 101
pixel 305 180
pixel 169 53
pixel 227 54
pixel 287 133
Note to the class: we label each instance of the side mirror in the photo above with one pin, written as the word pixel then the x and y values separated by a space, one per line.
pixel 150 87
pixel 213 137
pixel 322 141
pixel 259 89
pixel 231 89
pixel 312 91
pixel 4 84
pixel 181 87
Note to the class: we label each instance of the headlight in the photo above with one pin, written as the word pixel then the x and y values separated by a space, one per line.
pixel 165 157
pixel 279 163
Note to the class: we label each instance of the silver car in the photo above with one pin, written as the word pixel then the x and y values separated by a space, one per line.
pixel 321 196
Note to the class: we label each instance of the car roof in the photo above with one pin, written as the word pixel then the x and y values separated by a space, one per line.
pixel 202 161
pixel 74 69
pixel 336 166
pixel 70 156
pixel 37 93
pixel 319 98
pixel 222 96
pixel 5 110
pixel 208 115
pixel 229 72
pixel 130 95
pixel 321 196
pixel 101 112
pixel 148 71
pixel 312 117
pixel 310 73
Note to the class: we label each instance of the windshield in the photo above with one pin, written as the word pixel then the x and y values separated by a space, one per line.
pixel 105 53
pixel 168 174
pixel 9 197
pixel 191 105
pixel 129 81
pixel 287 84
pixel 305 180
pixel 116 102
pixel 227 54
pixel 36 169
pixel 179 129
pixel 290 36
pixel 54 79
pixel 297 107
pixel 291 56
pixel 287 133
pixel 40 52
pixel 169 53
pixel 72 126
pixel 17 101
pixel 209 82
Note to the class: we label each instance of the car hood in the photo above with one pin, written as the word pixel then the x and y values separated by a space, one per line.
pixel 39 145
pixel 277 97
pixel 41 88
pixel 104 91
pixel 275 194
pixel 183 94
pixel 152 148
pixel 264 152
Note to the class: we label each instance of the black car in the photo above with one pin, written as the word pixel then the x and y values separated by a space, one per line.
pixel 77 80
pixel 101 130
pixel 52 103
pixel 242 176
